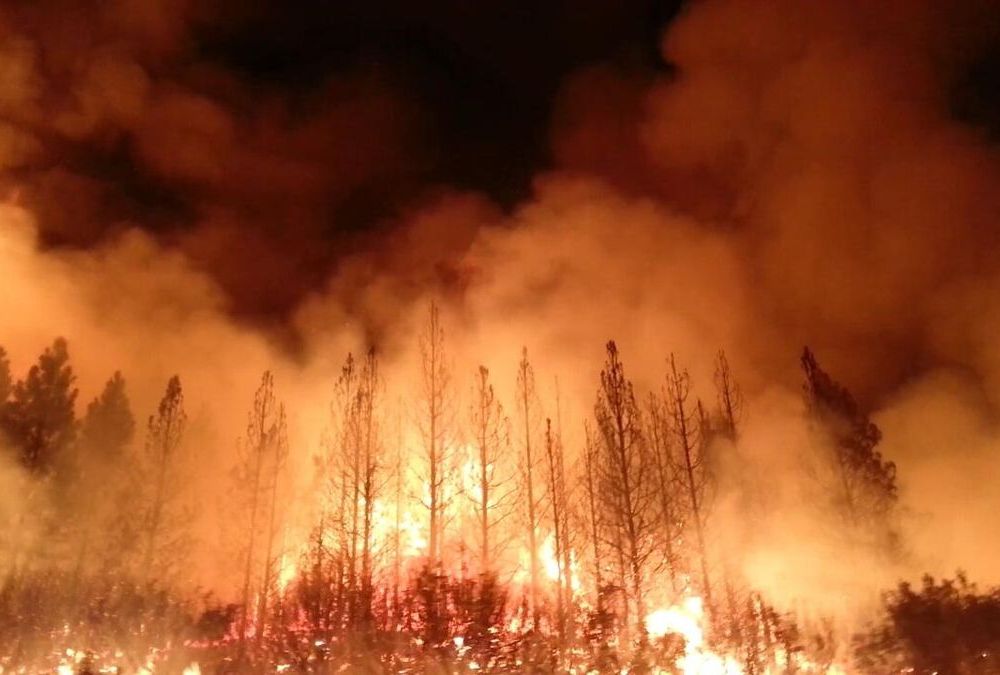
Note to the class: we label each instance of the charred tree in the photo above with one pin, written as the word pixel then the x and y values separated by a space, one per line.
pixel 626 488
pixel 435 420
pixel 689 426
pixel 668 485
pixel 559 511
pixel 367 477
pixel 729 397
pixel 492 488
pixel 262 456
pixel 529 462
pixel 164 514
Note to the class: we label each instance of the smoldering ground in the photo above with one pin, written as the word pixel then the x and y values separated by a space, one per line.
pixel 799 175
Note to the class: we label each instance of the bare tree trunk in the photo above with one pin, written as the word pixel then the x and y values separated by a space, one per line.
pixel 692 465
pixel 278 449
pixel 660 451
pixel 525 388
pixel 556 499
pixel 435 384
pixel 590 483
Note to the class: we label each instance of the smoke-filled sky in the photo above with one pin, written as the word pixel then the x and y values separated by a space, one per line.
pixel 212 188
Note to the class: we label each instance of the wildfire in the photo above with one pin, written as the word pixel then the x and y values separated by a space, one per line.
pixel 686 620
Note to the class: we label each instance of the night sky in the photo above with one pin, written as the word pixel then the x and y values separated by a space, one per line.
pixel 293 135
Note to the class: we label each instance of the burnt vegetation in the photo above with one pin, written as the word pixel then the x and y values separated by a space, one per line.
pixel 489 543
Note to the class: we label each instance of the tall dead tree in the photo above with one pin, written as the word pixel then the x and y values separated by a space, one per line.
pixel 492 490
pixel 434 421
pixel 262 456
pixel 529 461
pixel 668 485
pixel 271 484
pixel 367 475
pixel 729 397
pixel 591 486
pixel 559 511
pixel 688 427
pixel 160 486
pixel 627 488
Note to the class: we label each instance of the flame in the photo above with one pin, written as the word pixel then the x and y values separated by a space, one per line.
pixel 686 620
pixel 287 571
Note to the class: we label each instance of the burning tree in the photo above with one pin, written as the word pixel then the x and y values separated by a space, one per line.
pixel 689 430
pixel 863 485
pixel 435 420
pixel 360 457
pixel 626 488
pixel 160 488
pixel 492 488
pixel 264 451
pixel 558 494
pixel 529 465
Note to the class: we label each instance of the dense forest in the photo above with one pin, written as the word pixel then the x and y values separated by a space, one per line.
pixel 459 534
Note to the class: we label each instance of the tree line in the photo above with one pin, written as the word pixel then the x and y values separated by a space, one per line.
pixel 455 530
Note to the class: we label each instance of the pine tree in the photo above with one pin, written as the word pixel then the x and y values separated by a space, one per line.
pixel 627 488
pixel 99 466
pixel 689 429
pixel 729 397
pixel 39 420
pixel 864 482
pixel 559 511
pixel 108 426
pixel 161 487
pixel 527 408
pixel 492 490
pixel 361 457
pixel 668 485
pixel 434 421
pixel 262 456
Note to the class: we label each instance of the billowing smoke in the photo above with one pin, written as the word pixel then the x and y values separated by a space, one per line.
pixel 800 176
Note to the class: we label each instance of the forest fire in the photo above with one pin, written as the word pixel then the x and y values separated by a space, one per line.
pixel 584 339
pixel 503 553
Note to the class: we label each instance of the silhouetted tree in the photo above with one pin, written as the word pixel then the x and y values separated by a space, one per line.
pixel 100 463
pixel 668 486
pixel 864 484
pixel 729 397
pixel 39 420
pixel 627 488
pixel 529 463
pixel 559 512
pixel 161 485
pixel 492 488
pixel 688 425
pixel 434 421
pixel 108 426
pixel 262 455
pixel 948 627
pixel 361 460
